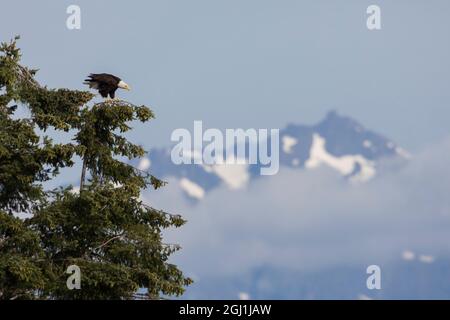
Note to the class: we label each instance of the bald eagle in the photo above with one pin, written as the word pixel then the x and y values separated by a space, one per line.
pixel 105 83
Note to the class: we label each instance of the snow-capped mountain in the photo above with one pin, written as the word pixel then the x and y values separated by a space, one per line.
pixel 337 141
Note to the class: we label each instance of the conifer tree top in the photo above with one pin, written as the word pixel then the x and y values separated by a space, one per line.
pixel 105 228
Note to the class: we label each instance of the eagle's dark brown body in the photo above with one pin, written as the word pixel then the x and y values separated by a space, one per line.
pixel 105 83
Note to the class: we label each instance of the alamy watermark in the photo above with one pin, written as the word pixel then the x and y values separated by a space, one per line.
pixel 374 18
pixel 74 280
pixel 73 21
pixel 235 146
pixel 374 280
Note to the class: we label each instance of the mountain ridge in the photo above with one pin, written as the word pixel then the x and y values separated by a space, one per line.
pixel 337 141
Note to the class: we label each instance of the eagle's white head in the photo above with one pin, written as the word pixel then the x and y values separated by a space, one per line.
pixel 123 85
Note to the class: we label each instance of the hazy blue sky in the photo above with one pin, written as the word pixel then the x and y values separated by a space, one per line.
pixel 253 63
pixel 262 64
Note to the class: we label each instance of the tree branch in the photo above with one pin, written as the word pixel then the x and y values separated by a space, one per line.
pixel 108 241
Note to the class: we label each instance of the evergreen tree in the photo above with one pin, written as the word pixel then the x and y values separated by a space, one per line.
pixel 105 228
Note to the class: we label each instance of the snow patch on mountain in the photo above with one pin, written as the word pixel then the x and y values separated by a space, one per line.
pixel 367 144
pixel 192 189
pixel 426 258
pixel 243 296
pixel 236 176
pixel 346 165
pixel 408 255
pixel 288 142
